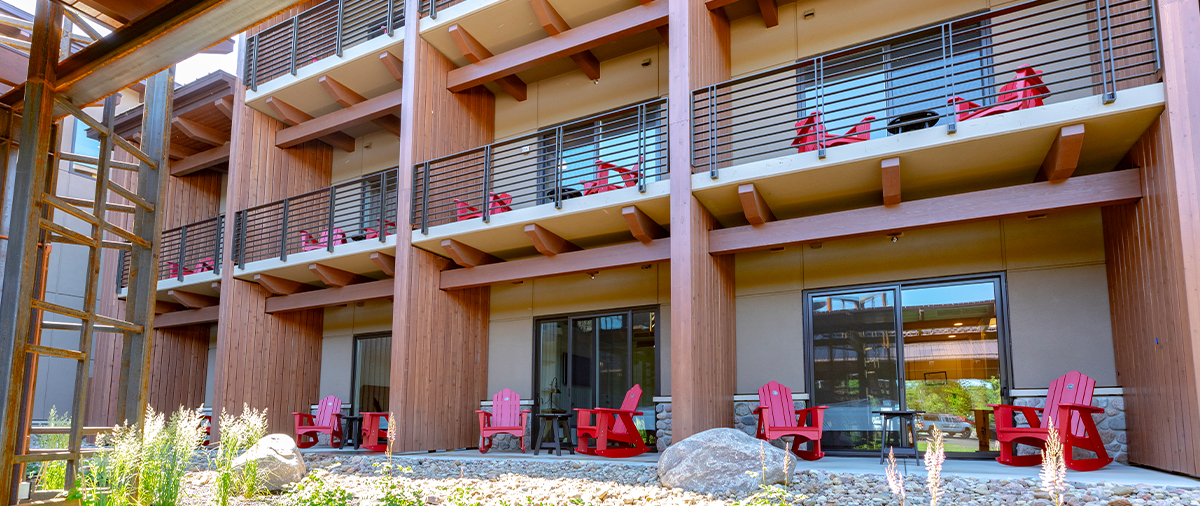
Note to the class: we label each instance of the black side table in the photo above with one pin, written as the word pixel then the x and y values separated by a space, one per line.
pixel 351 430
pixel 906 420
pixel 552 423
pixel 916 120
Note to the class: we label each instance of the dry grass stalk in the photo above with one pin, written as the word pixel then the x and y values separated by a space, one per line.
pixel 895 479
pixel 935 456
pixel 1054 467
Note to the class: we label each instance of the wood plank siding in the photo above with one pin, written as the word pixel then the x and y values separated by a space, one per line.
pixel 439 338
pixel 703 351
pixel 270 362
pixel 179 357
pixel 1153 256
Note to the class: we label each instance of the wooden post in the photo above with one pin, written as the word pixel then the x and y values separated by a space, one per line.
pixel 703 352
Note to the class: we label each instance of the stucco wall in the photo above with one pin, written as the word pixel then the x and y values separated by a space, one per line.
pixel 515 306
pixel 337 349
pixel 1057 292
pixel 372 153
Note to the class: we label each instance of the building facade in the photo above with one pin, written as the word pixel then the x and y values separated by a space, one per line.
pixel 937 205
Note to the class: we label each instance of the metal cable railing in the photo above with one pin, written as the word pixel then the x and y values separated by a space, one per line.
pixel 1013 58
pixel 318 220
pixel 321 31
pixel 190 249
pixel 618 149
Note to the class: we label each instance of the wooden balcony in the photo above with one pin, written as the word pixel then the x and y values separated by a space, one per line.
pixel 337 227
pixel 190 259
pixel 573 180
pixel 980 102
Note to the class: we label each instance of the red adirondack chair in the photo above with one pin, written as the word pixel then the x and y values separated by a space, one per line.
pixel 501 203
pixel 1069 398
pixel 372 233
pixel 601 185
pixel 612 426
pixel 327 421
pixel 1025 92
pixel 506 417
pixel 205 265
pixel 812 128
pixel 173 269
pixel 308 243
pixel 777 417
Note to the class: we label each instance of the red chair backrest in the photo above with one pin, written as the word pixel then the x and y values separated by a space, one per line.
pixel 781 412
pixel 632 398
pixel 804 134
pixel 1072 388
pixel 326 408
pixel 506 409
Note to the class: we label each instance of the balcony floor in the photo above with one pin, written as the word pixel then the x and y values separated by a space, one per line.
pixel 588 221
pixel 354 256
pixel 996 151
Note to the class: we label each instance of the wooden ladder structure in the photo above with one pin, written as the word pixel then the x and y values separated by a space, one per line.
pixel 37 217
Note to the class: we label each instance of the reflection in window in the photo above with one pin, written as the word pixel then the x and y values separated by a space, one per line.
pixel 372 370
pixel 629 139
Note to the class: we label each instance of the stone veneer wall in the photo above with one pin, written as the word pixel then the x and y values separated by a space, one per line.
pixel 1111 422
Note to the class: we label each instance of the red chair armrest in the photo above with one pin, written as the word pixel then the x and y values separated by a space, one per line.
pixel 615 411
pixel 1003 414
pixel 482 412
pixel 760 410
pixel 1082 407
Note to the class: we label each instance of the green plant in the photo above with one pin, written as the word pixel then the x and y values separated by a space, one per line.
pixel 166 451
pixel 392 493
pixel 313 490
pixel 238 433
pixel 51 475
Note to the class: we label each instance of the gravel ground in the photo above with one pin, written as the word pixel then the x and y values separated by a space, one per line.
pixel 504 482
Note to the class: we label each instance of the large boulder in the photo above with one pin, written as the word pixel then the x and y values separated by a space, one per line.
pixel 722 460
pixel 279 461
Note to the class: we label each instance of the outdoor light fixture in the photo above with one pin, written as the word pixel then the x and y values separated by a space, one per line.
pixel 958 324
pixel 895 236
pixel 593 274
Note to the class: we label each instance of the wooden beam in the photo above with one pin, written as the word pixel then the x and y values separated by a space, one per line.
pixel 293 116
pixel 713 5
pixel 475 53
pixel 280 286
pixel 162 306
pixel 200 161
pixel 554 24
pixel 371 290
pixel 336 277
pixel 770 12
pixel 200 133
pixel 467 256
pixel 192 300
pixel 756 209
pixel 216 286
pixel 383 106
pixel 386 263
pixel 1063 157
pixel 339 92
pixel 225 105
pixel 1112 188
pixel 548 243
pixel 890 173
pixel 584 37
pixel 207 314
pixel 347 97
pixel 598 259
pixel 644 229
pixel 394 66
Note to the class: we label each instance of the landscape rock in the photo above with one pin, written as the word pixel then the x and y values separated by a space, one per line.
pixel 279 461
pixel 723 460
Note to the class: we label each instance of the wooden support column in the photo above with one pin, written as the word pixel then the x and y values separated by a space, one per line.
pixel 287 378
pixel 1063 157
pixel 703 351
pixel 1152 253
pixel 439 338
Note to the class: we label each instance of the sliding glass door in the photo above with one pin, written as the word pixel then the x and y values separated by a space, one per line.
pixel 592 360
pixel 928 346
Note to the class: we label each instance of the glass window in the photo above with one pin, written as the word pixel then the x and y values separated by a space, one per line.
pixel 372 372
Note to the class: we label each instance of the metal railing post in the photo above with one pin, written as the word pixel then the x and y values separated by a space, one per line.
pixel 218 245
pixel 487 184
pixel 329 224
pixel 820 75
pixel 432 9
pixel 240 236
pixel 282 233
pixel 425 201
pixel 179 266
pixel 948 76
pixel 1110 83
pixel 387 25
pixel 383 192
pixel 295 41
pixel 557 167
pixel 712 132
pixel 341 18
pixel 120 281
pixel 254 69
pixel 641 148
